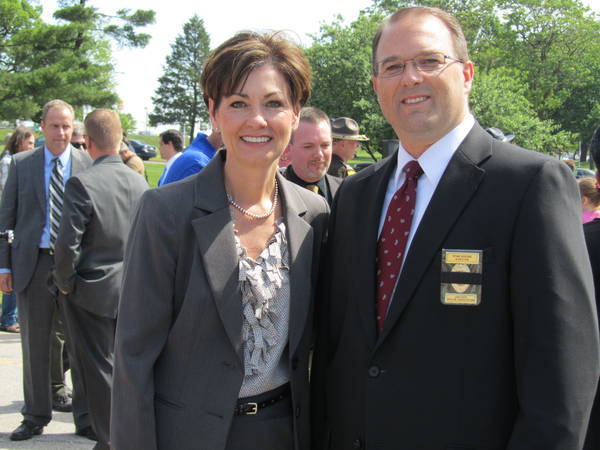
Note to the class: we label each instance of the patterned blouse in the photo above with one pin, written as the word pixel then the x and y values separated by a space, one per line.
pixel 264 283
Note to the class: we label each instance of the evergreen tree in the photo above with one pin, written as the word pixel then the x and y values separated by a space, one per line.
pixel 70 60
pixel 178 98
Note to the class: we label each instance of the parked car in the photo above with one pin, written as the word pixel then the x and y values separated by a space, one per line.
pixel 582 173
pixel 143 150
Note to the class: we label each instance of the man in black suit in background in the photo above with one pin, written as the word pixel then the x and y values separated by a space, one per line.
pixel 591 230
pixel 309 152
pixel 462 315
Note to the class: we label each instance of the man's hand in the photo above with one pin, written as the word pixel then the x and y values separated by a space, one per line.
pixel 6 283
pixel 65 292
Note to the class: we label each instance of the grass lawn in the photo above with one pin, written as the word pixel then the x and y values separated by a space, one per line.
pixel 153 172
pixel 3 133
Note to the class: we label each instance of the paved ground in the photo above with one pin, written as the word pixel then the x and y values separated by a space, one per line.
pixel 59 434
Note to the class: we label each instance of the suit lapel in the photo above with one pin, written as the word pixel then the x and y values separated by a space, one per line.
pixel 371 193
pixel 300 248
pixel 454 191
pixel 38 168
pixel 213 227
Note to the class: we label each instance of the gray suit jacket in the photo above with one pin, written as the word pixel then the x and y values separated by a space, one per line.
pixel 178 354
pixel 23 209
pixel 98 206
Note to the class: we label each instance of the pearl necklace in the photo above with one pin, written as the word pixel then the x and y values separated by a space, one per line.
pixel 252 215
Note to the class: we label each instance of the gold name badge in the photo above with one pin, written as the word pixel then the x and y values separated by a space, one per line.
pixel 455 263
pixel 462 257
pixel 461 299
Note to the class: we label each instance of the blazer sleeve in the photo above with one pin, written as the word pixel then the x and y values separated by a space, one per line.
pixel 144 321
pixel 76 215
pixel 8 212
pixel 554 316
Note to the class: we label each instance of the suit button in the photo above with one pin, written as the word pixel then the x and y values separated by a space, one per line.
pixel 294 363
pixel 297 411
pixel 374 371
pixel 357 443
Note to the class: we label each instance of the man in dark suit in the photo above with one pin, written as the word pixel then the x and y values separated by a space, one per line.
pixel 462 316
pixel 98 206
pixel 309 152
pixel 591 231
pixel 31 205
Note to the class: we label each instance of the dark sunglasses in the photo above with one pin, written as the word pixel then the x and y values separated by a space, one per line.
pixel 79 145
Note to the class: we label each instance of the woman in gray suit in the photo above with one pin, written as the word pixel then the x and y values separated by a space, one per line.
pixel 215 320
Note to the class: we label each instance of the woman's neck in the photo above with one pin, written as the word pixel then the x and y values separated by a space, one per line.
pixel 250 186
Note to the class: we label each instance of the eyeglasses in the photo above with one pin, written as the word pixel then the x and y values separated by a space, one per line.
pixel 430 62
pixel 79 145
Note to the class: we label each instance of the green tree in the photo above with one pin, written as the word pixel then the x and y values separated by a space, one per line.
pixel 499 99
pixel 340 57
pixel 127 122
pixel 70 59
pixel 178 98
pixel 555 44
pixel 548 47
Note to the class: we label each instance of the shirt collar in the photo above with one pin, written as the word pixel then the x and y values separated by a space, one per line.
pixel 436 158
pixel 171 160
pixel 64 157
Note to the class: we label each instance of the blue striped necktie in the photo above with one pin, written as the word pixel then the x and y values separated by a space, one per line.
pixel 57 189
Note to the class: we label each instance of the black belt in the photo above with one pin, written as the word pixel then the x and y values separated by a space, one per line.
pixel 46 251
pixel 248 408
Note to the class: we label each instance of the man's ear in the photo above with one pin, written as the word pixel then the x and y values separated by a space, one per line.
pixel 285 156
pixel 468 73
pixel 88 142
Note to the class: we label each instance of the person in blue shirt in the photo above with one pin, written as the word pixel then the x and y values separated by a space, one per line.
pixel 194 158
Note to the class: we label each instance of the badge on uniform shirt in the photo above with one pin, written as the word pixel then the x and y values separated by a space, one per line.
pixel 461 277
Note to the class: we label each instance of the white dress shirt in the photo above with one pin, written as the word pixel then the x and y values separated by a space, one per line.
pixel 433 162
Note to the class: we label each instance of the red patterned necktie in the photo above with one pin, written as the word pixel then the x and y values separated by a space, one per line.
pixel 394 235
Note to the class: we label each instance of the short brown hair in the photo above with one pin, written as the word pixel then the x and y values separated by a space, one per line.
pixel 16 138
pixel 56 104
pixel 314 115
pixel 174 137
pixel 229 66
pixel 103 127
pixel 451 22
